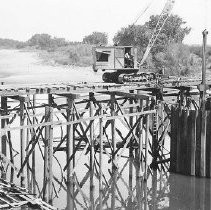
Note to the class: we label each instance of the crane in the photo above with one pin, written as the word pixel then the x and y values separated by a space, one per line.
pixel 161 22
pixel 112 59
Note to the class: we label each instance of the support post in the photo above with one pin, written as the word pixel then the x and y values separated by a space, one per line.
pixel 140 143
pixel 101 159
pixel 173 142
pixel 139 158
pixel 155 138
pixel 130 155
pixel 34 153
pixel 91 114
pixel 29 180
pixel 70 148
pixel 4 136
pixel 146 143
pixel 192 141
pixel 203 102
pixel 113 139
pixel 162 130
pixel 204 33
pixel 154 190
pixel 146 206
pixel 48 162
pixel 22 142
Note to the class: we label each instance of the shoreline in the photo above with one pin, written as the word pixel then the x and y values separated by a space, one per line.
pixel 25 66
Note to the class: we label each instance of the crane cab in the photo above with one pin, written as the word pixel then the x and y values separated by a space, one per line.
pixel 108 58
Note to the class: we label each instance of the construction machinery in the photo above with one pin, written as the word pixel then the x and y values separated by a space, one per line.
pixel 121 68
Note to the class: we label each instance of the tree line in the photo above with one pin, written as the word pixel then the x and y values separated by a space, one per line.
pixel 168 52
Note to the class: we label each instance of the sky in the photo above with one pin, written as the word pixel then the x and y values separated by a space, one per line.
pixel 74 19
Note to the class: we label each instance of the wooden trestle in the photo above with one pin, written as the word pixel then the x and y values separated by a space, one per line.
pixel 48 131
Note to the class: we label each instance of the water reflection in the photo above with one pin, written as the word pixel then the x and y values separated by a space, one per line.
pixel 161 190
pixel 189 192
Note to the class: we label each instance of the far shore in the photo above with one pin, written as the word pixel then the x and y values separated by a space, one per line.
pixel 26 66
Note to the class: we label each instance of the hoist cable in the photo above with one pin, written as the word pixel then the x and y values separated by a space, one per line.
pixel 142 12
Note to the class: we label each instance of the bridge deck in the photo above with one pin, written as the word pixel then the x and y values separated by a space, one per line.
pixel 59 88
pixel 24 89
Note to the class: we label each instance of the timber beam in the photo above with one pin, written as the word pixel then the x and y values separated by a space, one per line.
pixel 20 98
pixel 129 95
pixel 70 95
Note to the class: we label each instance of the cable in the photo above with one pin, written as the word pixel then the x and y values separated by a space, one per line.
pixel 142 12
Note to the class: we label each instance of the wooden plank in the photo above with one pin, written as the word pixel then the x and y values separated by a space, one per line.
pixel 61 123
pixel 173 141
pixel 191 142
pixel 198 144
pixel 133 95
pixel 178 167
pixel 203 144
pixel 20 98
pixel 181 145
pixel 73 87
pixel 70 95
pixel 184 166
pixel 208 145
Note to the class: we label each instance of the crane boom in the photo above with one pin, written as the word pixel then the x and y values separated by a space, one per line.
pixel 161 21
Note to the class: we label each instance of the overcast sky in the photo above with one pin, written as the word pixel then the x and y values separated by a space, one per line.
pixel 74 19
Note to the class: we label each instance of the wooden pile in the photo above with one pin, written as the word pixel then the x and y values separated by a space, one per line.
pixel 191 142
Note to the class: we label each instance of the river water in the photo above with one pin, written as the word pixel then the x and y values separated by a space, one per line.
pixel 162 190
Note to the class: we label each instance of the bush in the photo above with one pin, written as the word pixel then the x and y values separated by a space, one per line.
pixel 73 54
pixel 46 42
pixel 96 38
pixel 176 60
pixel 74 58
pixel 9 43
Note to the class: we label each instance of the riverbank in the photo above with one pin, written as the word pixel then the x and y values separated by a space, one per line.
pixel 27 66
pixel 73 55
